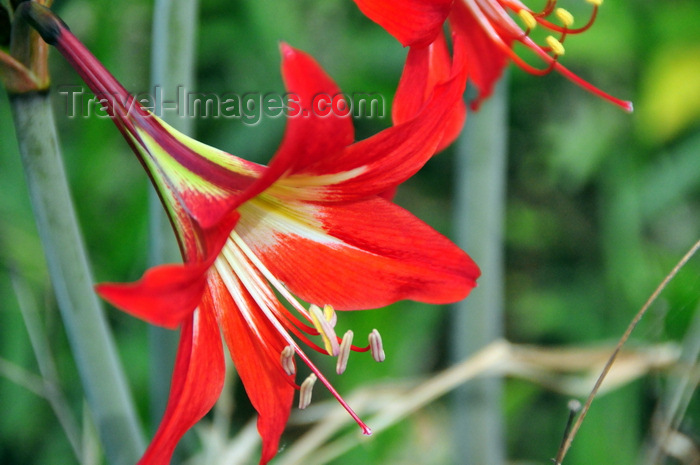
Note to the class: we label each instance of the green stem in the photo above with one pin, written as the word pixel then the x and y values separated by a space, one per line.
pixel 172 62
pixel 91 341
pixel 42 352
pixel 172 65
pixel 478 320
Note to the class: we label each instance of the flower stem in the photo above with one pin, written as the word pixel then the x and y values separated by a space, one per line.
pixel 45 362
pixel 477 321
pixel 91 341
pixel 172 65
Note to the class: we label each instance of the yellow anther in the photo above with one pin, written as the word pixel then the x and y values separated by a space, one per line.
pixel 595 2
pixel 528 19
pixel 323 326
pixel 330 315
pixel 376 347
pixel 287 360
pixel 344 353
pixel 306 390
pixel 566 18
pixel 555 45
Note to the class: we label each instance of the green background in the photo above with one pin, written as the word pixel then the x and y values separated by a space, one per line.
pixel 600 206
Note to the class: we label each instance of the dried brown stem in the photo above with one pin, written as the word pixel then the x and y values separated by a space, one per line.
pixel 633 324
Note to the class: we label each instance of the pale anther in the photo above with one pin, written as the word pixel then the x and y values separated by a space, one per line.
pixel 528 19
pixel 595 2
pixel 323 326
pixel 555 45
pixel 306 390
pixel 287 360
pixel 344 353
pixel 376 347
pixel 566 18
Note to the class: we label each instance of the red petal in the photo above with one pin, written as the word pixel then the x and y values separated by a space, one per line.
pixel 256 352
pixel 391 156
pixel 311 134
pixel 368 254
pixel 425 68
pixel 223 175
pixel 484 60
pixel 212 187
pixel 216 236
pixel 412 22
pixel 165 296
pixel 197 381
pixel 454 123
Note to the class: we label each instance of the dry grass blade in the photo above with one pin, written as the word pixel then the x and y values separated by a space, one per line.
pixel 218 451
pixel 391 408
pixel 22 377
pixel 672 407
pixel 572 370
pixel 567 370
pixel 682 448
pixel 633 324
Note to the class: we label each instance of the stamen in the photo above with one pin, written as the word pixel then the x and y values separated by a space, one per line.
pixel 528 19
pixel 245 267
pixel 555 45
pixel 330 315
pixel 566 18
pixel 344 353
pixel 306 390
pixel 330 340
pixel 595 2
pixel 287 360
pixel 376 346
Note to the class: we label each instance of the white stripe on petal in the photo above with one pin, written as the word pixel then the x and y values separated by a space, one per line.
pixel 265 219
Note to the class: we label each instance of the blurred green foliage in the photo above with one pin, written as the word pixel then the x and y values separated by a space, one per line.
pixel 601 205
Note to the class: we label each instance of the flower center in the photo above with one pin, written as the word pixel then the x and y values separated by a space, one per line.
pixel 238 261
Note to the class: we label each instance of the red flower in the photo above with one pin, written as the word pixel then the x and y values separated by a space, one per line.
pixel 488 31
pixel 311 226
